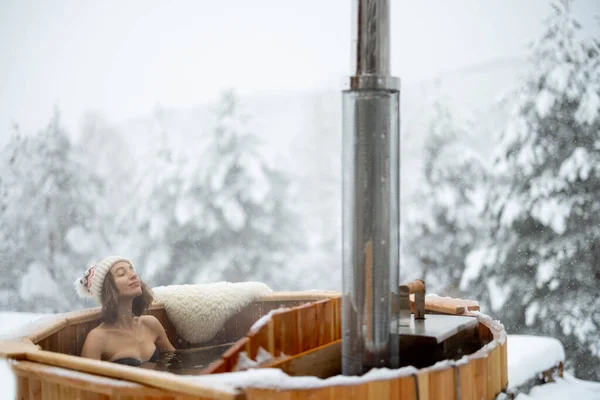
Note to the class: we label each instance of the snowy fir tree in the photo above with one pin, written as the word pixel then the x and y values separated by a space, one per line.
pixel 320 187
pixel 49 206
pixel 251 230
pixel 541 269
pixel 441 222
pixel 10 244
pixel 113 162
pixel 105 142
pixel 160 226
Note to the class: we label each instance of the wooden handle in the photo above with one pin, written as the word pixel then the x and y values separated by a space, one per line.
pixel 416 286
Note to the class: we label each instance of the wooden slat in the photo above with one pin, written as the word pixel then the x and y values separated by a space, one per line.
pixel 504 364
pixel 266 394
pixel 442 384
pixel 398 388
pixel 307 327
pixel 285 327
pixel 35 388
pixel 379 389
pixel 325 324
pixel 48 391
pixel 423 384
pixel 22 388
pixel 467 390
pixel 485 334
pixel 407 387
pixel 264 337
pixel 494 373
pixel 351 392
pixel 298 394
pixel 383 389
pixel 337 317
pixel 479 370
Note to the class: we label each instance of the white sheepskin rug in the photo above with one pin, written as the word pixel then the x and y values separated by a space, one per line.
pixel 199 311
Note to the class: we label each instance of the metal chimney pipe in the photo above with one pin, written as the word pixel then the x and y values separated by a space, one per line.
pixel 370 199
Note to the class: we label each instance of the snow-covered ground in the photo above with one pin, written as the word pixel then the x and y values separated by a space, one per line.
pixel 568 387
pixel 527 355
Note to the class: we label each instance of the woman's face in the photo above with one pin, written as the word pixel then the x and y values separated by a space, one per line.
pixel 126 279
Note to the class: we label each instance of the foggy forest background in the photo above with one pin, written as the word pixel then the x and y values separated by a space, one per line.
pixel 500 194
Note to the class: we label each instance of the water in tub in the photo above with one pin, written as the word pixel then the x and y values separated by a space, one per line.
pixel 188 361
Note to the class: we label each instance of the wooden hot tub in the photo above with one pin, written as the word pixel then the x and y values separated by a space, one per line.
pixel 302 333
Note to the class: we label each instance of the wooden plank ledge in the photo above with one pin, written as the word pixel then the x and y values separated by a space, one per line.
pixel 446 305
pixel 148 377
pixel 16 349
pixel 84 381
pixel 323 362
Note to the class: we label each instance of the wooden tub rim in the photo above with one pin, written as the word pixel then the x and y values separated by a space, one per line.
pixel 26 349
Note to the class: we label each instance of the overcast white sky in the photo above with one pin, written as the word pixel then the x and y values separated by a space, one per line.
pixel 122 57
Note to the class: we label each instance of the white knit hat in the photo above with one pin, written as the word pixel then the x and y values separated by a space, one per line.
pixel 91 282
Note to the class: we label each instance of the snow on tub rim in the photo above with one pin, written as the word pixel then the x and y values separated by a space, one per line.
pixel 302 332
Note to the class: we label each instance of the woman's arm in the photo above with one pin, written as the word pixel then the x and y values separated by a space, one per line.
pixel 162 341
pixel 94 343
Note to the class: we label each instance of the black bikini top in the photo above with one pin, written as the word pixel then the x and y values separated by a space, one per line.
pixel 134 362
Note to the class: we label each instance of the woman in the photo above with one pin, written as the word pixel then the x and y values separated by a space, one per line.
pixel 125 336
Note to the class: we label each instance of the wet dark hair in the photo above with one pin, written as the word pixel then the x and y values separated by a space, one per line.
pixel 110 297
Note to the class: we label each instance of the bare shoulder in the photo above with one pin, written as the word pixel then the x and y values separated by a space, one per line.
pixel 96 334
pixel 151 321
pixel 93 347
pixel 154 325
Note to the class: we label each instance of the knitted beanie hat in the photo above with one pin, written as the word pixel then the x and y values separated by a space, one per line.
pixel 91 282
